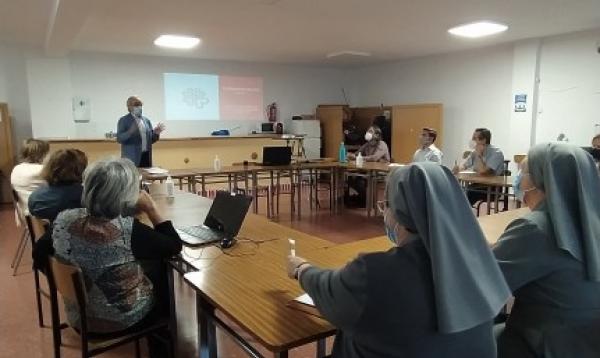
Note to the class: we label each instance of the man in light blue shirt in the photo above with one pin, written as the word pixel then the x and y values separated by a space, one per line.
pixel 485 159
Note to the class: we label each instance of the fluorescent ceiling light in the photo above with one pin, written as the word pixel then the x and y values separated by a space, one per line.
pixel 348 53
pixel 478 29
pixel 176 41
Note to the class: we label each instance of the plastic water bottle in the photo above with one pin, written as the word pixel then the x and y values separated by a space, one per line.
pixel 360 160
pixel 170 187
pixel 342 153
pixel 217 164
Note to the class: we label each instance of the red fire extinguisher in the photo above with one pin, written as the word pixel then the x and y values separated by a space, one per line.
pixel 272 112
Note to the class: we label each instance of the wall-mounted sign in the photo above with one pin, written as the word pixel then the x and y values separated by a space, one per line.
pixel 520 103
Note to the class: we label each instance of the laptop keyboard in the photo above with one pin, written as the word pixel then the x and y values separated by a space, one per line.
pixel 201 233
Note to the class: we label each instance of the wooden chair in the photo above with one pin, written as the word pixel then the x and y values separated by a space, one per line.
pixel 68 280
pixel 25 235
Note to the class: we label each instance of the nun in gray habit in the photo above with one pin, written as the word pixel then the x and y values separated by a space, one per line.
pixel 551 258
pixel 433 295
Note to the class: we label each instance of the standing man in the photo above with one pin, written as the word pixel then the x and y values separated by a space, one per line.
pixel 428 152
pixel 136 135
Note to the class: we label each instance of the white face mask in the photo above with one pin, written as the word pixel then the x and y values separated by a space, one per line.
pixel 137 111
pixel 472 144
pixel 368 136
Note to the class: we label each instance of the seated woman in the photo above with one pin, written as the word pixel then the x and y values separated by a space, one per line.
pixel 551 256
pixel 63 172
pixel 26 176
pixel 435 294
pixel 374 150
pixel 121 258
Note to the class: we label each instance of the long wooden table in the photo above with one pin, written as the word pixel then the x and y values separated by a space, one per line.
pixel 248 283
pixel 497 183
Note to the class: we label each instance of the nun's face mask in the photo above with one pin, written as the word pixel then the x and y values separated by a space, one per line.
pixel 397 233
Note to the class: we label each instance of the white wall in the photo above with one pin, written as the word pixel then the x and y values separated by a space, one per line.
pixel 570 88
pixel 474 87
pixel 107 80
pixel 14 91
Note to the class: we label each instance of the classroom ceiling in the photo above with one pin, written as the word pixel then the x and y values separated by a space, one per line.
pixel 283 31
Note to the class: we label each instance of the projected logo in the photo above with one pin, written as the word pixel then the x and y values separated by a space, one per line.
pixel 191 96
pixel 195 97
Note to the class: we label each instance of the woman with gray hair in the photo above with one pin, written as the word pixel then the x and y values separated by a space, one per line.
pixel 122 260
pixel 434 294
pixel 551 257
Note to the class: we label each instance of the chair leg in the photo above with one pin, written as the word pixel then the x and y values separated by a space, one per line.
pixel 137 349
pixel 56 337
pixel 20 254
pixel 36 279
pixel 268 195
pixel 19 247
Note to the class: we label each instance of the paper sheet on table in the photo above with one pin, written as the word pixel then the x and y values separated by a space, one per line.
pixel 395 165
pixel 305 304
pixel 468 172
pixel 156 170
pixel 305 299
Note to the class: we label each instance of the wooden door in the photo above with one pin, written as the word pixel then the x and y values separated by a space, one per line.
pixel 332 132
pixel 6 153
pixel 407 123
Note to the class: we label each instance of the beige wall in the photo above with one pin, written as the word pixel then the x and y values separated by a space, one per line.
pixel 173 154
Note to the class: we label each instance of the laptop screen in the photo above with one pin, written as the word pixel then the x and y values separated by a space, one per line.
pixel 227 212
pixel 277 155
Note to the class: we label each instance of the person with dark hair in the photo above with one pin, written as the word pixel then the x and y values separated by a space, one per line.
pixel 374 150
pixel 485 159
pixel 433 294
pixel 596 141
pixel 386 129
pixel 25 176
pixel 428 152
pixel 63 172
pixel 550 257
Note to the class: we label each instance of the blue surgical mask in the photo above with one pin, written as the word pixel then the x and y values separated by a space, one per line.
pixel 391 234
pixel 137 111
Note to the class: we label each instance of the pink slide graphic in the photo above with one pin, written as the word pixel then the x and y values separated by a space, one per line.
pixel 241 98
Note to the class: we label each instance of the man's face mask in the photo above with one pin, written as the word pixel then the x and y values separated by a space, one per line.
pixel 137 111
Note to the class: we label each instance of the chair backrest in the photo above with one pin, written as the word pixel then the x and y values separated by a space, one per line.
pixel 17 205
pixel 518 158
pixel 68 280
pixel 37 227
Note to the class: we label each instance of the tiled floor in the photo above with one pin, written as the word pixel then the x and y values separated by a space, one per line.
pixel 20 335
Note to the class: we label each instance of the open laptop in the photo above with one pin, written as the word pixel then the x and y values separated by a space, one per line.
pixel 223 221
pixel 277 155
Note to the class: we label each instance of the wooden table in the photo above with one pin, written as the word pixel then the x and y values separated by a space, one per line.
pixel 248 283
pixel 491 182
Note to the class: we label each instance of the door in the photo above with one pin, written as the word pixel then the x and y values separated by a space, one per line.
pixel 6 154
pixel 407 123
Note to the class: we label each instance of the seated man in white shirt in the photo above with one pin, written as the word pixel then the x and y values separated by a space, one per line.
pixel 428 152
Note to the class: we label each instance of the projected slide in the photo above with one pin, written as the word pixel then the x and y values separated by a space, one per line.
pixel 212 97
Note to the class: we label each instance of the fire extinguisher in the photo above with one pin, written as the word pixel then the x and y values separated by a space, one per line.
pixel 272 112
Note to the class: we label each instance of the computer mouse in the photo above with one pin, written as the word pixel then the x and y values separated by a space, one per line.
pixel 227 242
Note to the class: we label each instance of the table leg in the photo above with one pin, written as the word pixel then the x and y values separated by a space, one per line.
pixel 278 190
pixel 207 332
pixel 310 184
pixel 229 181
pixel 369 192
pixel 497 199
pixel 299 192
pixel 254 189
pixel 283 354
pixel 270 192
pixel 321 348
pixel 203 184
pixel 180 183
pixel 489 199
